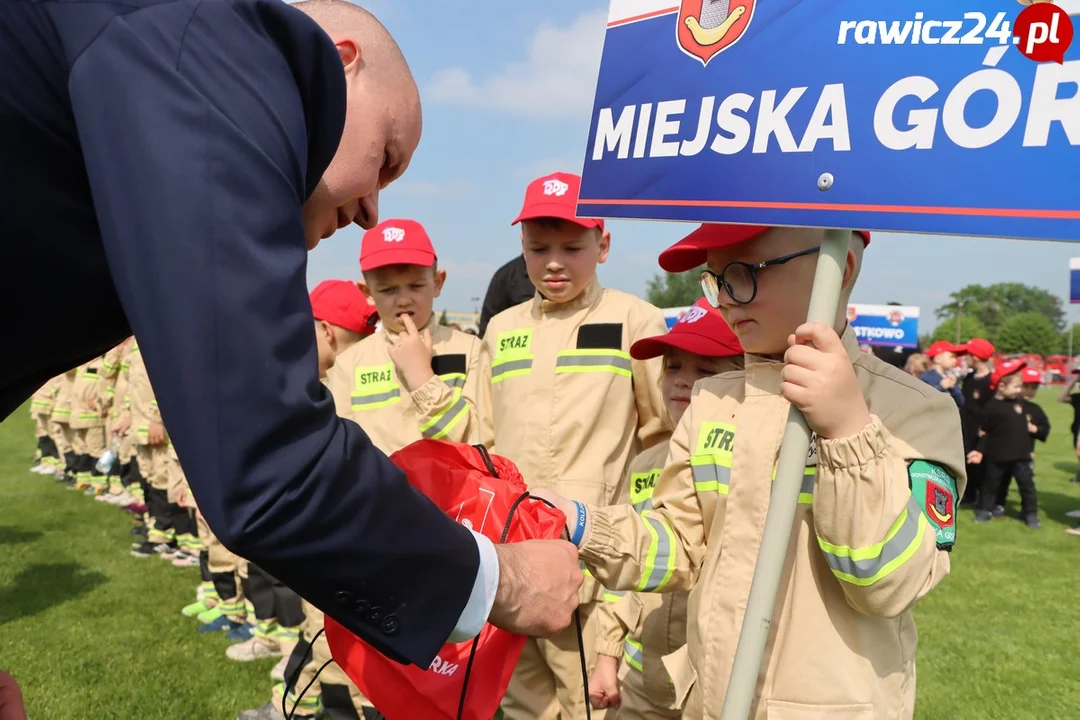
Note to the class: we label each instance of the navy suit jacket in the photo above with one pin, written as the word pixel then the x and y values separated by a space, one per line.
pixel 155 156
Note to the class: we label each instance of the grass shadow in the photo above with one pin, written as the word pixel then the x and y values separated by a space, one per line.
pixel 1069 467
pixel 11 535
pixel 42 586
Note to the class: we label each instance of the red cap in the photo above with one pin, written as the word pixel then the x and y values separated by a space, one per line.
pixel 941 346
pixel 555 196
pixel 1032 376
pixel 340 302
pixel 396 242
pixel 701 331
pixel 692 250
pixel 1004 369
pixel 978 347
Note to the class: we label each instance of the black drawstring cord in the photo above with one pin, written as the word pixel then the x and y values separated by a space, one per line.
pixel 290 683
pixel 577 613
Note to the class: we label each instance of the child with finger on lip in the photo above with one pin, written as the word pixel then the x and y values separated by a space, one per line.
pixel 415 379
pixel 636 631
pixel 875 521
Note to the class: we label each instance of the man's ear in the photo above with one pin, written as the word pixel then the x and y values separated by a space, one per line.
pixel 349 51
pixel 605 246
pixel 440 280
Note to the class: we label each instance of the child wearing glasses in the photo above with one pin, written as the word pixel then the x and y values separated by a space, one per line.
pixel 877 511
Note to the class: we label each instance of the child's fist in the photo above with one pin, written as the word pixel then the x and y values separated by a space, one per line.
pixel 604 683
pixel 818 378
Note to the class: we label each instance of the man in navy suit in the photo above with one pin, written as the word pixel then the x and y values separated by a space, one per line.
pixel 163 162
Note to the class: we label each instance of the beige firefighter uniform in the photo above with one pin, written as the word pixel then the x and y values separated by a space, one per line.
pixel 571 408
pixel 179 493
pixel 60 420
pixel 865 546
pixel 121 406
pixel 224 567
pixel 641 628
pixel 41 406
pixel 87 424
pixel 47 457
pixel 152 459
pixel 450 406
pixel 331 679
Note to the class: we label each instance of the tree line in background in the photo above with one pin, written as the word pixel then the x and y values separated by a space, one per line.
pixel 1017 318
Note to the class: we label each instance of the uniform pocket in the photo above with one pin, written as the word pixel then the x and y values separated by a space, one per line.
pixel 682 674
pixel 780 710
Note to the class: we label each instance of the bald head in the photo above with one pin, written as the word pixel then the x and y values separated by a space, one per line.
pixel 383 119
pixel 341 18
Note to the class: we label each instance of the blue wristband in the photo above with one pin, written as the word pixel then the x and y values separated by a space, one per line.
pixel 579 529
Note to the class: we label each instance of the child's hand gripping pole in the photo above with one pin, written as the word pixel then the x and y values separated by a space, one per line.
pixel 739 698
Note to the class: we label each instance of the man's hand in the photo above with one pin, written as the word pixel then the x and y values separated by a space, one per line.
pixel 122 426
pixel 948 382
pixel 1032 428
pixel 819 380
pixel 604 683
pixel 974 457
pixel 156 434
pixel 91 403
pixel 538 587
pixel 411 353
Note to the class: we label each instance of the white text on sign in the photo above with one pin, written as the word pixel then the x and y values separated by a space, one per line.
pixel 728 125
pixel 974 29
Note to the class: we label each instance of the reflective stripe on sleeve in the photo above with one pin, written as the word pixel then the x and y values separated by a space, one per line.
pixel 659 563
pixel 445 421
pixel 865 566
pixel 613 595
pixel 633 653
pixel 585 361
pixel 710 475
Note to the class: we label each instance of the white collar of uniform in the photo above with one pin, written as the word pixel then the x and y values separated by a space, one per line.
pixel 587 298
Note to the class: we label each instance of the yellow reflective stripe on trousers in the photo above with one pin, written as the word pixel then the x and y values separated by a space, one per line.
pixel 633 653
pixel 659 563
pixel 513 354
pixel 375 387
pixel 594 360
pixel 865 566
pixel 444 422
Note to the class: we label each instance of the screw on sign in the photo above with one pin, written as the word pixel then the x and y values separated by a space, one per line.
pixel 1043 32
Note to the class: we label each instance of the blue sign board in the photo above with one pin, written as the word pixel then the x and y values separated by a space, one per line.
pixel 1074 280
pixel 915 116
pixel 885 325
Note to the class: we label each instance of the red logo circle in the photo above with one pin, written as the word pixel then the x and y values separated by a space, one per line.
pixel 1043 32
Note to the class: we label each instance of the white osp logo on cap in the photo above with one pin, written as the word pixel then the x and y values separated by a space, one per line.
pixel 555 187
pixel 393 234
pixel 693 315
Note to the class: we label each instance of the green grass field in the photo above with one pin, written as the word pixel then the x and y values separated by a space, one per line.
pixel 91 632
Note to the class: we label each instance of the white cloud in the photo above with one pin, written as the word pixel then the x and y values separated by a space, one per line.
pixel 556 81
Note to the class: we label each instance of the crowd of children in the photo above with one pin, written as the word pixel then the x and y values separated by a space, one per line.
pixel 631 430
pixel 1001 422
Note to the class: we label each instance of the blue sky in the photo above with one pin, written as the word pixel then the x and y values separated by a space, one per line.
pixel 507 92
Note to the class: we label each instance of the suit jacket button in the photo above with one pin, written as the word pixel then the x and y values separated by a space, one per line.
pixel 391 625
pixel 375 615
pixel 362 608
pixel 344 598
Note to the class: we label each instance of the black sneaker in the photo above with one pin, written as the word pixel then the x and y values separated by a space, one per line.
pixel 983 516
pixel 1032 521
pixel 143 551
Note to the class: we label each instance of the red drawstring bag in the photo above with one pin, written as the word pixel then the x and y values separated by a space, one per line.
pixel 487 494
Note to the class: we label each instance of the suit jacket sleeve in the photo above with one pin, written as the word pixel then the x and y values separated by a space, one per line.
pixel 202 125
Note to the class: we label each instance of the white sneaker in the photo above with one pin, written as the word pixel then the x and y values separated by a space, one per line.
pixel 277 674
pixel 1073 514
pixel 42 469
pixel 249 650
